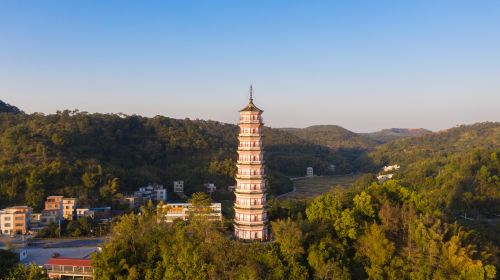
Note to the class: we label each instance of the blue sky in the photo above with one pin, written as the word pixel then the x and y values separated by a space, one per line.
pixel 364 65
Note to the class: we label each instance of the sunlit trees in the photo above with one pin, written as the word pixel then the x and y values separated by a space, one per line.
pixel 27 272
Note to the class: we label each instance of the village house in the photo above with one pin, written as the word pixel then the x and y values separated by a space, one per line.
pixel 15 220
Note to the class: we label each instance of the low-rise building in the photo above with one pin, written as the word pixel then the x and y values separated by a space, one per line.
pixel 69 208
pixel 68 268
pixel 35 218
pixel 132 201
pixel 178 186
pixel 97 213
pixel 82 212
pixel 15 220
pixel 155 193
pixel 210 187
pixel 173 211
pixel 53 202
pixel 309 171
pixel 35 222
pixel 65 205
pixel 101 213
pixel 385 177
pixel 48 217
pixel 332 167
pixel 391 168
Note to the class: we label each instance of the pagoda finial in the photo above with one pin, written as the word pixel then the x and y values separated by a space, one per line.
pixel 251 93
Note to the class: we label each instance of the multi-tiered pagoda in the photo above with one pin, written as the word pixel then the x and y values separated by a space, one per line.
pixel 250 219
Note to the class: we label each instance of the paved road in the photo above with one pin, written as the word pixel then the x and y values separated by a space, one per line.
pixel 65 243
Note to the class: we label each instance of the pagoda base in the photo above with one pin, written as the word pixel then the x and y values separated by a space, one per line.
pixel 251 233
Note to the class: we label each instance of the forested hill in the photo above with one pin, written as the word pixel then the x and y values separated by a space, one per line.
pixel 386 135
pixel 333 136
pixel 7 108
pixel 440 144
pixel 457 169
pixel 97 157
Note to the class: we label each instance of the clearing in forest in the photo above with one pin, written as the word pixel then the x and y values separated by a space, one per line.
pixel 308 187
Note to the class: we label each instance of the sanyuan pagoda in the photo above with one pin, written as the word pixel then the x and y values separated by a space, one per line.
pixel 250 219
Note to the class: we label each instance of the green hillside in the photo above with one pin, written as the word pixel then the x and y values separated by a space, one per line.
pixel 333 136
pixel 7 108
pixel 440 144
pixel 457 169
pixel 386 135
pixel 97 157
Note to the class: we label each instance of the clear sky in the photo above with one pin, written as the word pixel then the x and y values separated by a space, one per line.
pixel 364 65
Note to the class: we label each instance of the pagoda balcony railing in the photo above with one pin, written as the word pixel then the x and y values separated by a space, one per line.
pixel 250 191
pixel 261 120
pixel 251 162
pixel 250 134
pixel 254 148
pixel 247 176
pixel 251 223
pixel 250 207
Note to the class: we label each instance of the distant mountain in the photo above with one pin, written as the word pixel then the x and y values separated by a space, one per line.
pixel 386 135
pixel 444 143
pixel 333 136
pixel 7 108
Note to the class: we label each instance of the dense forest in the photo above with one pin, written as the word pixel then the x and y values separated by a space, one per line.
pixel 390 134
pixel 333 136
pixel 98 157
pixel 382 231
pixel 457 169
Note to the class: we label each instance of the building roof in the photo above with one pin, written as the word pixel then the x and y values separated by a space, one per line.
pixel 18 207
pixel 251 107
pixel 16 210
pixel 69 261
pixel 101 208
pixel 183 204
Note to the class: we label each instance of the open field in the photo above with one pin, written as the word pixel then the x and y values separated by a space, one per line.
pixel 314 186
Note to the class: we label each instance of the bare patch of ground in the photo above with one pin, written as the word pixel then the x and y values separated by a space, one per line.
pixel 309 187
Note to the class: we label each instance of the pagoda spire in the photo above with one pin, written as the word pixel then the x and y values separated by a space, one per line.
pixel 251 93
pixel 251 106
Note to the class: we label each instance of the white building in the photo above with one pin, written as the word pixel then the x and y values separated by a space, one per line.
pixel 154 192
pixel 14 220
pixel 82 212
pixel 173 211
pixel 210 187
pixel 383 178
pixel 391 168
pixel 309 171
pixel 178 186
pixel 332 167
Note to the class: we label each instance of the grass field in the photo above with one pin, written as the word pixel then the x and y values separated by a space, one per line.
pixel 311 187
